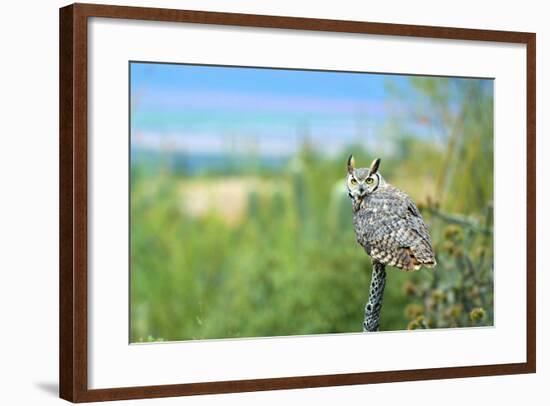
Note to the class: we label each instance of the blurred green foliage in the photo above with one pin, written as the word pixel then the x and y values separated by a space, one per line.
pixel 285 261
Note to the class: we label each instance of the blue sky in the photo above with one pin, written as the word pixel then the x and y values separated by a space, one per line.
pixel 204 109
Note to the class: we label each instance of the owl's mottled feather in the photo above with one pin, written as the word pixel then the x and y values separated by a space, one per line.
pixel 390 228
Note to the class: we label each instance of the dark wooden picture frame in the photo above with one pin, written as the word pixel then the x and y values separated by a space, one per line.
pixel 73 201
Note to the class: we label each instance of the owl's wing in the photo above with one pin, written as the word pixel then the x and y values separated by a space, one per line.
pixel 416 221
pixel 418 242
pixel 399 237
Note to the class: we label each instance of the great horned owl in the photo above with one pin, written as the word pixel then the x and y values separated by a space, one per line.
pixel 387 223
pixel 389 227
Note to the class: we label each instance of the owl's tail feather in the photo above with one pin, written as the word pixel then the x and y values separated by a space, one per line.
pixel 411 261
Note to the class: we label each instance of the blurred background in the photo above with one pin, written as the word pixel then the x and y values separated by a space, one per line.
pixel 240 221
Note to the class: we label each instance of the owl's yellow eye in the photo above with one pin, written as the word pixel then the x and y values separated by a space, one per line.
pixel 370 180
pixel 353 181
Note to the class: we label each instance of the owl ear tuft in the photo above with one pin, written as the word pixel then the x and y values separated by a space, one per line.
pixel 351 164
pixel 374 166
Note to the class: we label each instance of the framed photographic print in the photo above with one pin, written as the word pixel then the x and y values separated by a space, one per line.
pixel 256 202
